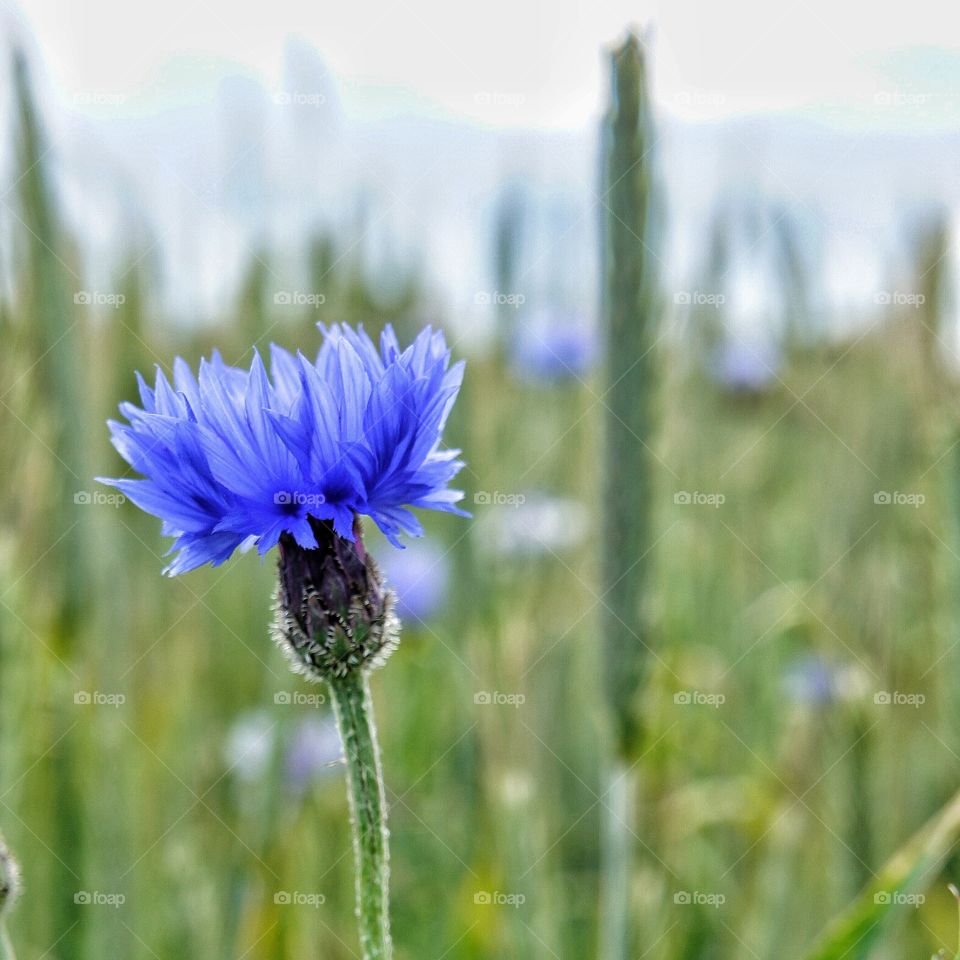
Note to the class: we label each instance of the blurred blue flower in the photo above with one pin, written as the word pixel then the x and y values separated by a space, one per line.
pixel 308 751
pixel 810 680
pixel 745 365
pixel 813 680
pixel 313 752
pixel 419 578
pixel 234 457
pixel 555 346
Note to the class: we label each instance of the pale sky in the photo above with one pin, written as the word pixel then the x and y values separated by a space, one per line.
pixel 526 62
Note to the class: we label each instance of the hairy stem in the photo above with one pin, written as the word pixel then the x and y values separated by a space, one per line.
pixel 368 811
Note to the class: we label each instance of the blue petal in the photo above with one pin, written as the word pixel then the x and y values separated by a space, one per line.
pixel 233 458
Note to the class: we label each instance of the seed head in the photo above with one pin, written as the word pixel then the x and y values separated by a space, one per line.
pixel 333 613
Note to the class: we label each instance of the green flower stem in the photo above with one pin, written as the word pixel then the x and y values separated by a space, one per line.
pixel 368 811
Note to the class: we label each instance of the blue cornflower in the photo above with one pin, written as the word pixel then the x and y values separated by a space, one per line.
pixel 746 366
pixel 553 346
pixel 235 457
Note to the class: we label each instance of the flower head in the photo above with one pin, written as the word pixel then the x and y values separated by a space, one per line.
pixel 333 614
pixel 235 457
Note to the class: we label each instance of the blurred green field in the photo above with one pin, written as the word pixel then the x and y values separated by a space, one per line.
pixel 770 795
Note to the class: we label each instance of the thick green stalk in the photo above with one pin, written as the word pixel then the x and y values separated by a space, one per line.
pixel 368 811
pixel 628 303
pixel 54 357
pixel 629 307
